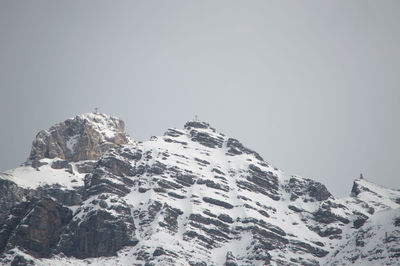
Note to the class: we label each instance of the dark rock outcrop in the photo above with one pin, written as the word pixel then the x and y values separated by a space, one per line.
pixel 99 234
pixel 35 226
pixel 10 195
pixel 307 188
pixel 230 259
pixel 237 148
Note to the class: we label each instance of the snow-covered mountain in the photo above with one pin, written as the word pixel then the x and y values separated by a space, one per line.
pixel 89 194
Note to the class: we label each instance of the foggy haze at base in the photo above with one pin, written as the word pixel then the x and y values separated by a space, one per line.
pixel 312 86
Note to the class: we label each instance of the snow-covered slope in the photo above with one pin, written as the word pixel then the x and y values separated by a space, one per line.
pixel 190 197
pixel 46 174
pixel 376 243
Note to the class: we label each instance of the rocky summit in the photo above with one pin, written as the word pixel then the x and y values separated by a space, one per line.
pixel 89 194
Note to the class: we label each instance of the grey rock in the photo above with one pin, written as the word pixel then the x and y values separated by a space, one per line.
pixel 10 195
pixel 218 202
pixel 65 197
pixel 206 139
pixel 59 164
pixel 302 246
pixel 86 167
pixel 78 139
pixel 237 148
pixel 21 261
pixel 100 234
pixel 307 188
pixel 230 259
pixel 158 252
pixel 36 226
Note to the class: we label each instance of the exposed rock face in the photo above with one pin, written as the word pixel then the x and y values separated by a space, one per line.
pixel 237 148
pixel 104 223
pixel 10 195
pixel 65 197
pixel 230 259
pixel 306 187
pixel 24 218
pixel 99 234
pixel 84 137
pixel 35 226
pixel 190 197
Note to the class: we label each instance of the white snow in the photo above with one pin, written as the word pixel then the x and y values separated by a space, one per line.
pixel 72 142
pixel 29 177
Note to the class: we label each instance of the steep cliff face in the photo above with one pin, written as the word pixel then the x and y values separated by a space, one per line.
pixel 190 197
pixel 84 137
pixel 35 226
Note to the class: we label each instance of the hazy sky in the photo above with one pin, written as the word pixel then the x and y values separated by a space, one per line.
pixel 313 86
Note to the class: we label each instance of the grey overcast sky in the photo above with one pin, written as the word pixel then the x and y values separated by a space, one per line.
pixel 313 86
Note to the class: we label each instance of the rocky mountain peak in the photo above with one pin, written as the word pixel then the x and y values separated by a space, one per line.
pixel 193 196
pixel 83 137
